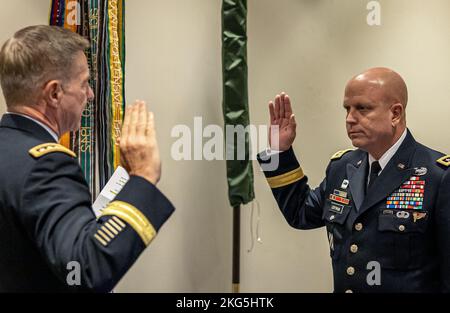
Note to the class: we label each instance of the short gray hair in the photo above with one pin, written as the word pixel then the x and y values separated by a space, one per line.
pixel 35 55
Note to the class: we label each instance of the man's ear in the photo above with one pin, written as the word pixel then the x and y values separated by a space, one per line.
pixel 52 93
pixel 398 111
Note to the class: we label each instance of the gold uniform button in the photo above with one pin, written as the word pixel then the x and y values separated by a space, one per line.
pixel 354 248
pixel 349 291
pixel 350 270
pixel 401 228
pixel 359 227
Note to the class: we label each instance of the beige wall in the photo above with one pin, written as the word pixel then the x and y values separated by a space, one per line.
pixel 308 49
pixel 17 14
pixel 173 62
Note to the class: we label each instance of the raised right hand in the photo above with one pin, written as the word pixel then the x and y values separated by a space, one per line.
pixel 138 146
pixel 282 123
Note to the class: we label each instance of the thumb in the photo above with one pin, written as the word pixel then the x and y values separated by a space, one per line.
pixel 292 120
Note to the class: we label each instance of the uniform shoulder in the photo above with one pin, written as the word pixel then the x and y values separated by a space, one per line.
pixel 339 154
pixel 47 148
pixel 441 160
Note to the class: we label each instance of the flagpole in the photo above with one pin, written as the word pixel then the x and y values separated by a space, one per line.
pixel 236 113
pixel 236 247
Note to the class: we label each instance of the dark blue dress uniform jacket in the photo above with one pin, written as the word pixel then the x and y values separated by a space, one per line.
pixel 46 220
pixel 402 226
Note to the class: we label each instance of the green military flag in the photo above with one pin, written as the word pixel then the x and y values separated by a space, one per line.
pixel 236 113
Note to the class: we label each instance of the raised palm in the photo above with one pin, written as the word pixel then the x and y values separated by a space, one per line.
pixel 282 123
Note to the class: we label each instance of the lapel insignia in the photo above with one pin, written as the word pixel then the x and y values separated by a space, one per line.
pixel 420 171
pixel 401 166
pixel 359 163
pixel 345 183
pixel 409 195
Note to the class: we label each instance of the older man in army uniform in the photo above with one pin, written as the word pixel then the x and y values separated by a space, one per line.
pixel 46 220
pixel 385 205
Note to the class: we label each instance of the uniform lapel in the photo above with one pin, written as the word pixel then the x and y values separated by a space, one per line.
pixel 356 173
pixel 393 175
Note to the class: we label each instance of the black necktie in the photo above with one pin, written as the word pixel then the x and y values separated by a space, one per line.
pixel 374 171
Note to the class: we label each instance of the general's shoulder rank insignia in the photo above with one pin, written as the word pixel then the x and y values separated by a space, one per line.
pixel 340 154
pixel 445 160
pixel 51 147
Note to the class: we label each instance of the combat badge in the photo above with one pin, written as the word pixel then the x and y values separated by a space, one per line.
pixel 420 171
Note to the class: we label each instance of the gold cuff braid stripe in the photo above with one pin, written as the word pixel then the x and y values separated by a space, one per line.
pixel 133 217
pixel 286 178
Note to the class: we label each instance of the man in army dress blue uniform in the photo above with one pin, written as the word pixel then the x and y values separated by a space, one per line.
pixel 46 219
pixel 385 205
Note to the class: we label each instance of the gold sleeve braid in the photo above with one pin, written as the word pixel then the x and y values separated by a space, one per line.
pixel 133 217
pixel 286 178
